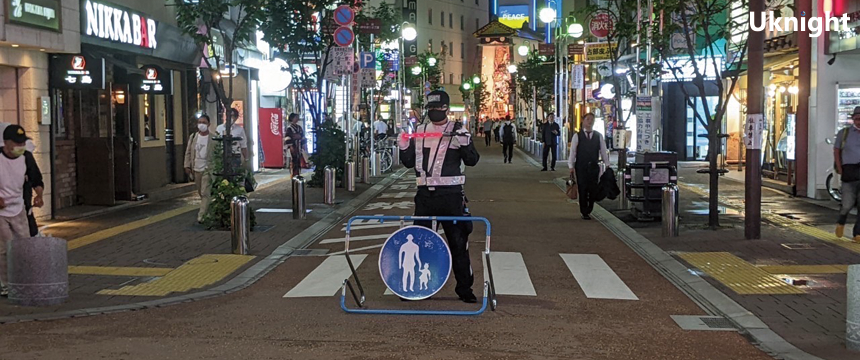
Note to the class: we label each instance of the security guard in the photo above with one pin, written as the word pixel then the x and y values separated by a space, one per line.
pixel 442 145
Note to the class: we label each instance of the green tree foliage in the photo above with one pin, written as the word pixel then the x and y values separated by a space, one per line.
pixel 331 152
pixel 223 192
pixel 535 77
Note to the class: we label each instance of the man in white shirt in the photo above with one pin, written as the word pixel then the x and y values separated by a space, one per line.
pixel 240 144
pixel 198 155
pixel 586 149
pixel 13 217
pixel 380 129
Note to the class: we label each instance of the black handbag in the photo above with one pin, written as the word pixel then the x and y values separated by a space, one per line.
pixel 850 172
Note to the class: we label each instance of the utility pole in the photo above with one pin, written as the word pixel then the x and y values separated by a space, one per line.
pixel 752 194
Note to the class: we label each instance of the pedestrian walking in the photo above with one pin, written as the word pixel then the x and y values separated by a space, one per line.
pixel 508 133
pixel 846 156
pixel 295 137
pixel 488 131
pixel 549 136
pixel 240 143
pixel 496 128
pixel 198 156
pixel 13 176
pixel 33 180
pixel 437 161
pixel 586 150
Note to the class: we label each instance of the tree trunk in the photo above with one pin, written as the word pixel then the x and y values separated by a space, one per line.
pixel 714 175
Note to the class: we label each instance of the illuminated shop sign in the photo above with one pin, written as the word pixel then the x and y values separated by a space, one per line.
pixel 35 13
pixel 118 25
pixel 154 80
pixel 76 71
pixel 514 15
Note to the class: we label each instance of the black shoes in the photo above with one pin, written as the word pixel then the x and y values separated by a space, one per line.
pixel 586 217
pixel 469 298
pixel 544 169
pixel 553 169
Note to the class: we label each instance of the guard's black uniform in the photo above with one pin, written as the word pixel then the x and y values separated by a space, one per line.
pixel 440 190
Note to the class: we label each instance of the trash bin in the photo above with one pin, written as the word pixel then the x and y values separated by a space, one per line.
pixel 38 271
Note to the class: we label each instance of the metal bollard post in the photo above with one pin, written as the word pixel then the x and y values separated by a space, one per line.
pixel 240 225
pixel 670 210
pixel 365 170
pixel 395 156
pixel 852 318
pixel 299 198
pixel 329 185
pixel 349 176
pixel 376 168
pixel 623 203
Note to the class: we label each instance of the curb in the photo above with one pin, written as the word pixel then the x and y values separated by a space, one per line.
pixel 244 279
pixel 705 295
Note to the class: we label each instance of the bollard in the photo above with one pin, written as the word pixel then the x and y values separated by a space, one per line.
pixel 328 192
pixel 376 168
pixel 299 198
pixel 349 176
pixel 623 203
pixel 38 271
pixel 852 318
pixel 240 225
pixel 395 156
pixel 670 210
pixel 365 170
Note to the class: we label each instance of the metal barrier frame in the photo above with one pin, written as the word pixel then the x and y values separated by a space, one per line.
pixel 646 184
pixel 489 287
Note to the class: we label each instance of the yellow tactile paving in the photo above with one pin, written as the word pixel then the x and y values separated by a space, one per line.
pixel 196 273
pixel 118 271
pixel 739 275
pixel 787 223
pixel 805 269
pixel 116 230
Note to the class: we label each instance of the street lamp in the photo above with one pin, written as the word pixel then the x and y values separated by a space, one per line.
pixel 408 32
pixel 547 15
pixel 512 68
pixel 431 61
pixel 575 30
pixel 476 80
pixel 467 86
pixel 523 50
pixel 416 70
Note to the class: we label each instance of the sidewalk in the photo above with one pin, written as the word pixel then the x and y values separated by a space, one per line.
pixel 157 250
pixel 796 247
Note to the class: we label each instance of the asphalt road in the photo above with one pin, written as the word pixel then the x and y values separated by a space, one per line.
pixel 532 220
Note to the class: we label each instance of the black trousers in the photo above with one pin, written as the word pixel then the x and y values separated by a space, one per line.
pixel 487 135
pixel 546 151
pixel 587 176
pixel 508 150
pixel 428 203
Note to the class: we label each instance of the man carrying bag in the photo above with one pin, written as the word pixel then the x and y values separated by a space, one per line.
pixel 846 155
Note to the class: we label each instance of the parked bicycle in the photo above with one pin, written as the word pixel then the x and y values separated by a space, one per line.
pixel 383 150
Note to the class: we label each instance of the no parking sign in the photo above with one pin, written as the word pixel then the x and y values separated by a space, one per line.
pixel 415 263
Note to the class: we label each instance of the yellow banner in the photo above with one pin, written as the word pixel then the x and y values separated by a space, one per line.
pixel 595 52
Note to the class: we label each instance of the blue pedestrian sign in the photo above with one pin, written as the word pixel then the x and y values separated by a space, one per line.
pixel 415 262
pixel 343 36
pixel 344 15
pixel 368 60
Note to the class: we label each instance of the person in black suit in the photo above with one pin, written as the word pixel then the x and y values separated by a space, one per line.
pixel 549 131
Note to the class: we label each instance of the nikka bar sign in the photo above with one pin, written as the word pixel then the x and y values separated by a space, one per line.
pixel 116 24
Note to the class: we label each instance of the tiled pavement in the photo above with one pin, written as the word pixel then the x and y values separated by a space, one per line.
pixel 165 244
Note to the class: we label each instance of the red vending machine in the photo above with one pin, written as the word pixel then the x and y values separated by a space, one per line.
pixel 272 137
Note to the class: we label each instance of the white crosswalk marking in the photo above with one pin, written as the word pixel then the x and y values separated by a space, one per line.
pixel 371 247
pixel 356 238
pixel 326 279
pixel 398 195
pixel 596 278
pixel 510 274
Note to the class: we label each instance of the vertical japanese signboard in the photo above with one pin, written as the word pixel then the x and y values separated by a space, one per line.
pixel 644 124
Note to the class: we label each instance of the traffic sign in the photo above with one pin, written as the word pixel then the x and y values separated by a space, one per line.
pixel 575 49
pixel 415 262
pixel 370 26
pixel 343 36
pixel 343 61
pixel 344 15
pixel 368 60
pixel 600 25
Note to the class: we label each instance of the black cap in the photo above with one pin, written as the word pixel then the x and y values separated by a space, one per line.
pixel 856 111
pixel 15 133
pixel 437 98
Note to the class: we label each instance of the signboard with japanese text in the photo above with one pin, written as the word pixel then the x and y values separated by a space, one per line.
pixel 369 26
pixel 597 52
pixel 368 78
pixel 343 61
pixel 753 130
pixel 155 80
pixel 600 25
pixel 578 76
pixel 575 49
pixel 77 71
pixel 644 124
pixel 43 14
pixel 546 49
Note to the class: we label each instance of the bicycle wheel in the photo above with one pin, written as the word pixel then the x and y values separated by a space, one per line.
pixel 386 161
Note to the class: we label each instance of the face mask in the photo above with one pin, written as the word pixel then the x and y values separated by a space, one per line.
pixel 437 115
pixel 18 150
pixel 202 127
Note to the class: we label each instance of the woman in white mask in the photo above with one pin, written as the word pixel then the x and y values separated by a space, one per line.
pixel 198 156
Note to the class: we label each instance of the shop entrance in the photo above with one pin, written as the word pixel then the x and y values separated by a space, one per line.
pixel 123 143
pixel 95 149
pixel 696 133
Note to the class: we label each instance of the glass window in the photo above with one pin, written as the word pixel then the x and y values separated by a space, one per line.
pixel 442 78
pixel 442 18
pixel 430 45
pixel 462 22
pixel 430 16
pixel 451 78
pixel 450 20
pixel 451 44
pixel 476 24
pixel 462 50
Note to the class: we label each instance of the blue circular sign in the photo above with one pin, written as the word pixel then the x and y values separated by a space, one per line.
pixel 343 36
pixel 344 15
pixel 415 262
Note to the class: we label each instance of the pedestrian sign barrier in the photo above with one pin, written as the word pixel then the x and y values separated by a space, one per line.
pixel 415 262
pixel 399 267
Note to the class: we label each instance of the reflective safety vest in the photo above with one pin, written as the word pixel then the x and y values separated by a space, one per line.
pixel 435 160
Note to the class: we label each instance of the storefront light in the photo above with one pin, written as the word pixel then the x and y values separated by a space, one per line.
pixel 793 89
pixel 512 68
pixel 772 87
pixel 782 89
pixel 523 50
